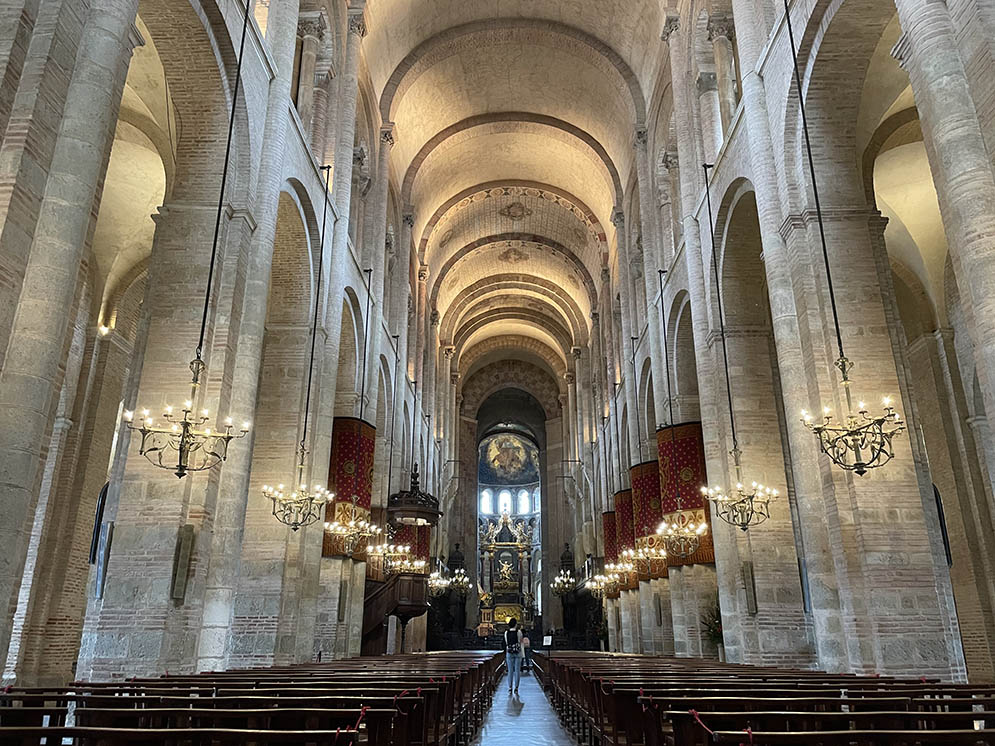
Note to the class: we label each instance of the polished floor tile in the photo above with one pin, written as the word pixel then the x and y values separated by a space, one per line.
pixel 518 720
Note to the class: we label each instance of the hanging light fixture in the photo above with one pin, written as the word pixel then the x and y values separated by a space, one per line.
pixel 396 558
pixel 742 506
pixel 304 506
pixel 680 530
pixel 182 444
pixel 438 585
pixel 563 583
pixel 460 582
pixel 351 528
pixel 861 440
pixel 598 586
pixel 643 557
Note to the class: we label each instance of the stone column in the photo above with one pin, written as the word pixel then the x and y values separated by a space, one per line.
pixel 31 373
pixel 338 272
pixel 227 531
pixel 690 188
pixel 711 117
pixel 38 49
pixel 401 303
pixel 721 33
pixel 653 262
pixel 379 261
pixel 311 28
pixel 625 348
pixel 430 375
pixel 960 164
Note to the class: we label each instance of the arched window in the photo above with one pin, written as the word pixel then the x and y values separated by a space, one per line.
pixel 504 502
pixel 487 502
pixel 536 505
pixel 524 504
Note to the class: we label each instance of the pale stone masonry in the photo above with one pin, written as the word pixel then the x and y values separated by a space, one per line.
pixel 508 192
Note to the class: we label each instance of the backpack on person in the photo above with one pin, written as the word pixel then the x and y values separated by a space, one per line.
pixel 512 648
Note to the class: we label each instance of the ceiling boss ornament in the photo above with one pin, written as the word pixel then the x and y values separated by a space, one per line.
pixel 860 441
pixel 183 444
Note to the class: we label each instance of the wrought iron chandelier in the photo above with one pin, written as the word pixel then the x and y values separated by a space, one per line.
pixel 438 584
pixel 743 507
pixel 351 528
pixel 304 506
pixel 460 582
pixel 643 557
pixel 563 583
pixel 598 586
pixel 396 558
pixel 680 531
pixel 860 440
pixel 183 444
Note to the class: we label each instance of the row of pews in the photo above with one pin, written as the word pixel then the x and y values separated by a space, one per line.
pixel 428 699
pixel 632 700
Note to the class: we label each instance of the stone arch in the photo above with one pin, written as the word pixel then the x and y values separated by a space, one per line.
pixel 512 121
pixel 590 217
pixel 683 360
pixel 540 242
pixel 446 43
pixel 350 354
pixel 534 318
pixel 510 344
pixel 511 374
pixel 530 286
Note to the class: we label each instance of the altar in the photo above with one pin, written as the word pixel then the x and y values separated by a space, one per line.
pixel 508 546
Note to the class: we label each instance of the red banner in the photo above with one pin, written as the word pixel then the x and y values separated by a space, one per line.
pixel 646 506
pixel 611 540
pixel 419 538
pixel 624 525
pixel 681 451
pixel 350 470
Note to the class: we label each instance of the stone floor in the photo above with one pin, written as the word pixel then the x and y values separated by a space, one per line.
pixel 526 718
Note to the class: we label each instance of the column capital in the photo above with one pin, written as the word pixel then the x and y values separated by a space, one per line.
pixel 357 22
pixel 721 26
pixel 569 378
pixel 576 352
pixel 408 219
pixel 423 273
pixel 387 134
pixel 670 160
pixel 618 217
pixel 706 82
pixel 449 352
pixel 454 379
pixel 595 316
pixel 434 317
pixel 641 135
pixel 313 24
pixel 670 25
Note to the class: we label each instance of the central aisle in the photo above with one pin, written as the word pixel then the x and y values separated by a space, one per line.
pixel 524 719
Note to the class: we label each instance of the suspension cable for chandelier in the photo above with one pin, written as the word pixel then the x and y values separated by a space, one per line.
pixel 304 506
pixel 741 507
pixel 197 448
pixel 846 443
pixel 681 533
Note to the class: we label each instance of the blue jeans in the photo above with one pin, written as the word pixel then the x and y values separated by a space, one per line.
pixel 514 669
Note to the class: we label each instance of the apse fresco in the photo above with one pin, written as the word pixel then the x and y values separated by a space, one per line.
pixel 508 459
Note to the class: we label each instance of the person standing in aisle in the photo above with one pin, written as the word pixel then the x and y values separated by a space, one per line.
pixel 513 655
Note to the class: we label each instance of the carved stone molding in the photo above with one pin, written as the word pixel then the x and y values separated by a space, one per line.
pixel 642 136
pixel 313 24
pixel 434 317
pixel 357 23
pixel 408 219
pixel 720 26
pixel 423 273
pixel 387 134
pixel 670 160
pixel 670 25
